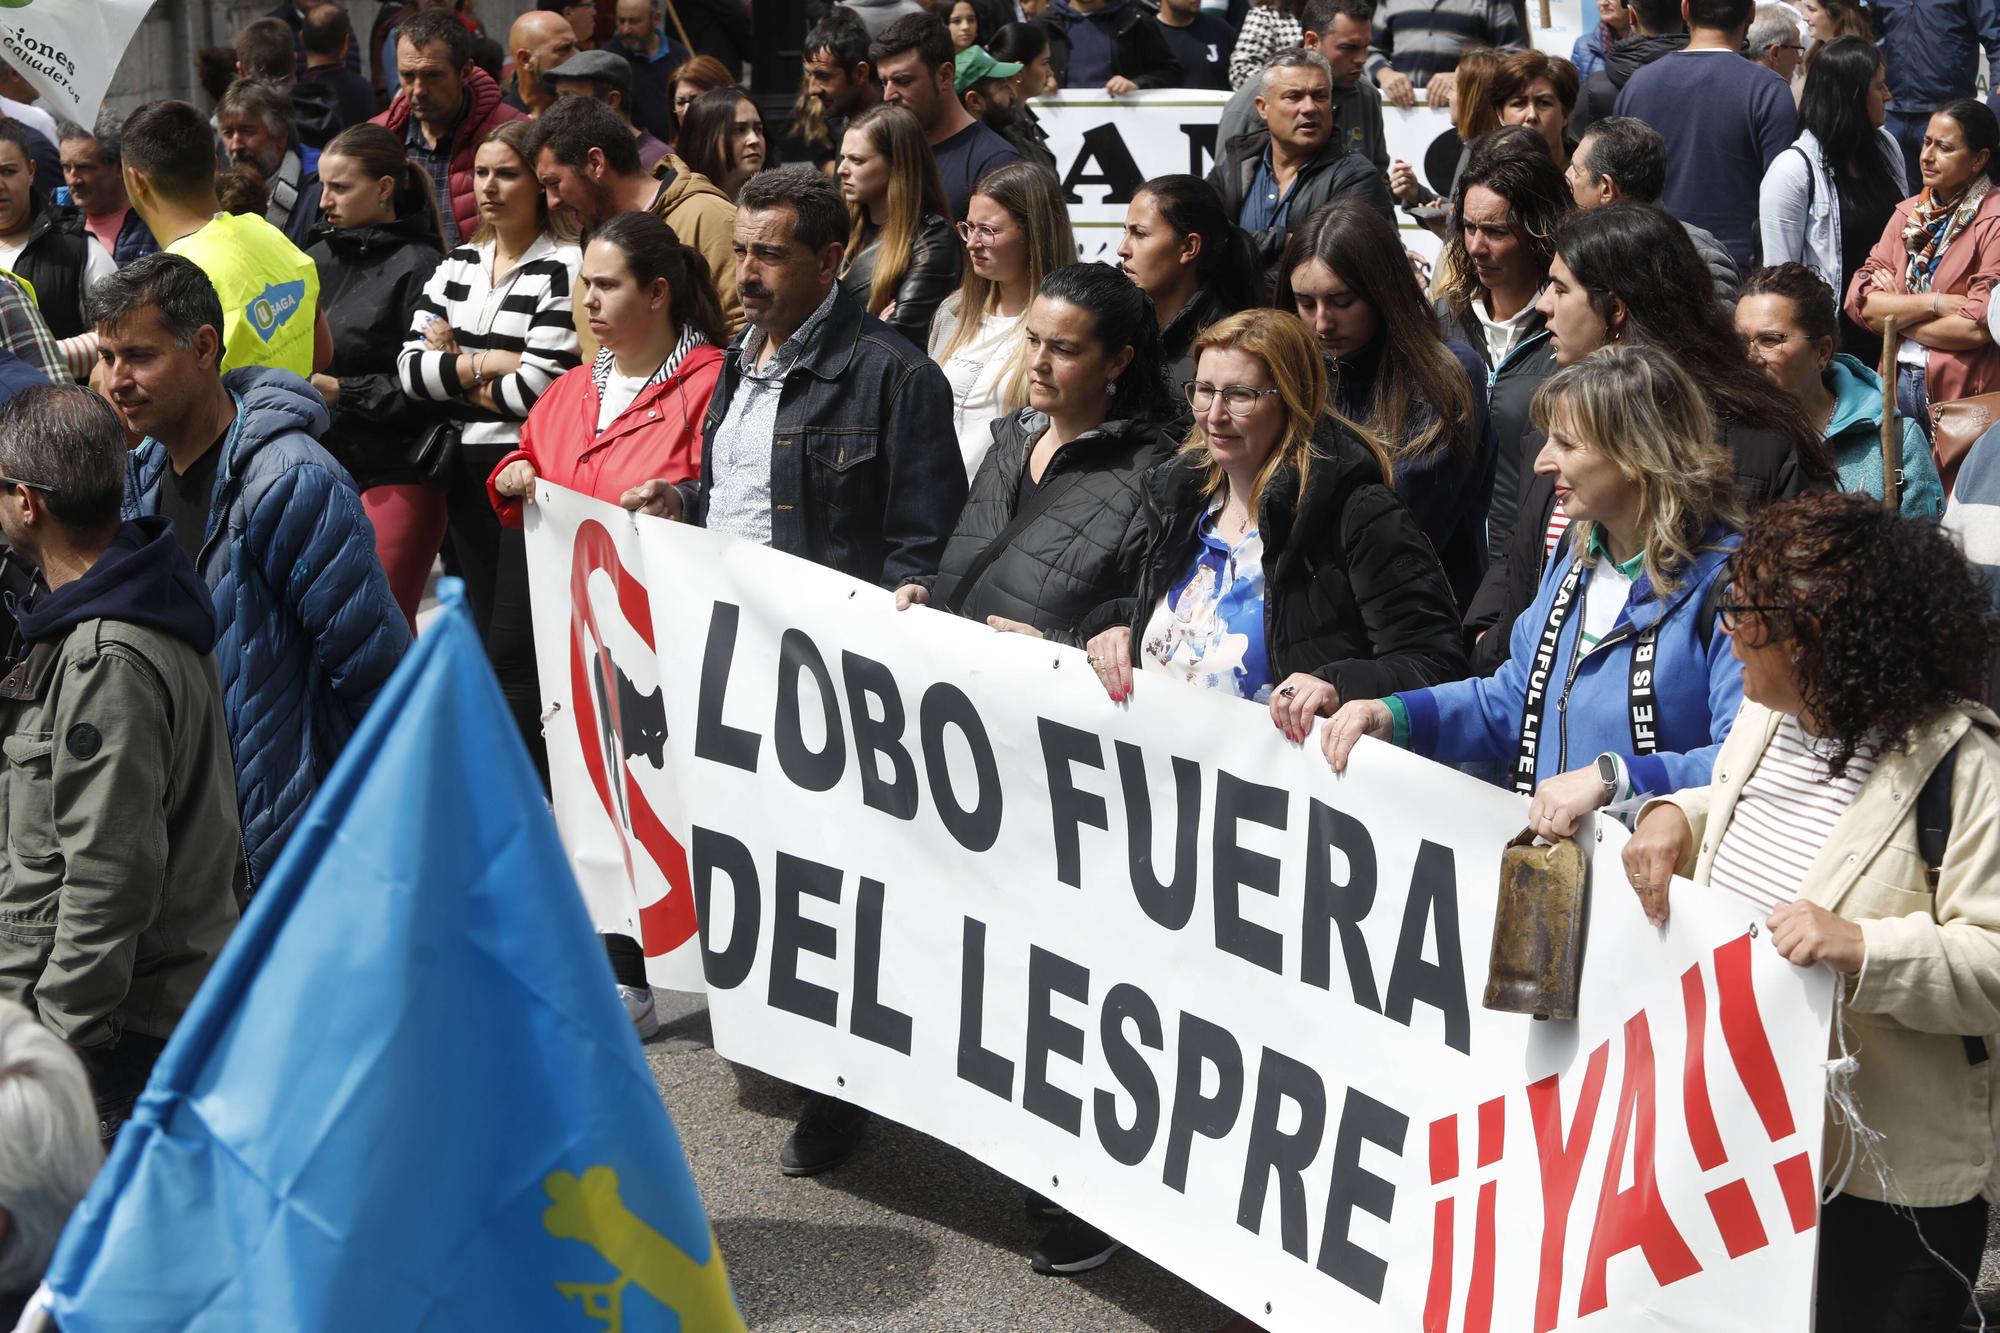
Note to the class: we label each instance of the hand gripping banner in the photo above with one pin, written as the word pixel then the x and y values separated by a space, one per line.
pixel 1158 963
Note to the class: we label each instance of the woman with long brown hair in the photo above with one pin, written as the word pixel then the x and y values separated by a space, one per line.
pixel 901 256
pixel 1423 396
pixel 722 138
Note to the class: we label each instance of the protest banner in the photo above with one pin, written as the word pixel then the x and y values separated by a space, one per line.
pixel 69 49
pixel 1107 147
pixel 1163 966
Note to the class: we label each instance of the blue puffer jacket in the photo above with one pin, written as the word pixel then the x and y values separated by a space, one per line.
pixel 308 630
pixel 1698 686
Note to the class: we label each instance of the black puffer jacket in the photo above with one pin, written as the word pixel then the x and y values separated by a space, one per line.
pixel 1333 173
pixel 1766 469
pixel 1510 391
pixel 1352 593
pixel 1177 339
pixel 1080 551
pixel 369 282
pixel 53 261
pixel 932 275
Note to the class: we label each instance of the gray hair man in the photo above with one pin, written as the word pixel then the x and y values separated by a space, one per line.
pixel 121 813
pixel 49 1151
pixel 259 128
pixel 93 168
pixel 1774 41
pixel 1269 180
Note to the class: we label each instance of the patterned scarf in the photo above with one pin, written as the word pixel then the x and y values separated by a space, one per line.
pixel 607 361
pixel 1931 227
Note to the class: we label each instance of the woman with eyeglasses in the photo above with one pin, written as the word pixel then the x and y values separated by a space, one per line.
pixel 1051 528
pixel 1852 807
pixel 1934 266
pixel 722 138
pixel 698 75
pixel 1424 396
pixel 1016 232
pixel 901 256
pixel 1630 446
pixel 1826 198
pixel 1280 564
pixel 1785 315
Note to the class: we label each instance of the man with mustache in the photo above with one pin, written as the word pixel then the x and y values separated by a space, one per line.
pixel 1270 178
pixel 822 440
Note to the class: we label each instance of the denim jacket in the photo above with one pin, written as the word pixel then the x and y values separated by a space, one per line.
pixel 865 470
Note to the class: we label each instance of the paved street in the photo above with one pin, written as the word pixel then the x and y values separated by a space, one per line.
pixel 908 1235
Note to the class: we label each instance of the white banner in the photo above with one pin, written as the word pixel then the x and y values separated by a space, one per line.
pixel 1106 147
pixel 69 49
pixel 1163 966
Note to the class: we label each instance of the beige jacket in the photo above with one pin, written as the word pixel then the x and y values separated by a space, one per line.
pixel 1932 971
pixel 703 217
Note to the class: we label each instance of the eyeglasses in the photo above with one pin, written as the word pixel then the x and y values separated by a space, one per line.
pixel 984 233
pixel 1239 400
pixel 1774 342
pixel 11 482
pixel 1730 615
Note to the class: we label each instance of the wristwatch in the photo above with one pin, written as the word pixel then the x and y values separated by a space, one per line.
pixel 1612 774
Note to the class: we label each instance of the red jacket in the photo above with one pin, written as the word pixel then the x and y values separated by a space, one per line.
pixel 659 435
pixel 484 110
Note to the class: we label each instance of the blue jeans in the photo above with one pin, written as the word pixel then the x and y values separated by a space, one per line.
pixel 1907 127
pixel 1912 397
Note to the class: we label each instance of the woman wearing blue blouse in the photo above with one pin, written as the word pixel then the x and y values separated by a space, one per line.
pixel 1280 565
pixel 1616 682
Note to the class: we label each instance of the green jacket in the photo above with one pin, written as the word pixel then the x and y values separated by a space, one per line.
pixel 123 854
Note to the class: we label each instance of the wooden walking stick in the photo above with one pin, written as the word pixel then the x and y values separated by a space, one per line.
pixel 1892 437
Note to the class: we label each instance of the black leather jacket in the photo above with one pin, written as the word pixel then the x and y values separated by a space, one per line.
pixel 863 475
pixel 930 276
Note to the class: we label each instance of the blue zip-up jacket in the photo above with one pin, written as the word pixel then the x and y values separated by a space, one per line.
pixel 307 628
pixel 1697 688
pixel 1931 49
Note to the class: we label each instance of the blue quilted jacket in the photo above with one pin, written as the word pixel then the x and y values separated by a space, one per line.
pixel 308 630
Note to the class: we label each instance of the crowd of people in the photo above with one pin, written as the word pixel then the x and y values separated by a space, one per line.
pixel 1643 497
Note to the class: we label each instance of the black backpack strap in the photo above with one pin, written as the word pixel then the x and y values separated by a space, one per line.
pixel 1711 608
pixel 1934 817
pixel 1933 835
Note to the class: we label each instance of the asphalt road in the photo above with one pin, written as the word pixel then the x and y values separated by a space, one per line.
pixel 907 1235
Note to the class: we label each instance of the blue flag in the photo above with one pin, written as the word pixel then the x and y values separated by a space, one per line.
pixel 408 1096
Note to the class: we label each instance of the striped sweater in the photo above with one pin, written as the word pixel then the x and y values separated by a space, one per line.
pixel 1420 38
pixel 528 313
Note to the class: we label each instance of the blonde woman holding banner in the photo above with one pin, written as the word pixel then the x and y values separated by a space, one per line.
pixel 1640 689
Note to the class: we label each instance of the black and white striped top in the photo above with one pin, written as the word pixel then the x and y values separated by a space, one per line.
pixel 1783 818
pixel 527 313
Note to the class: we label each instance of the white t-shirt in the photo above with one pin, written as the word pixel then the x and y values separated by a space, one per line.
pixel 619 391
pixel 974 373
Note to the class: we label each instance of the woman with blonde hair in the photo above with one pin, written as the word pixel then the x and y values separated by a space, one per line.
pixel 1280 564
pixel 1016 232
pixel 1650 493
pixel 1474 114
pixel 901 256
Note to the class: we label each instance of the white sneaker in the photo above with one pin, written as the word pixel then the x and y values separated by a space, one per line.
pixel 640 1009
